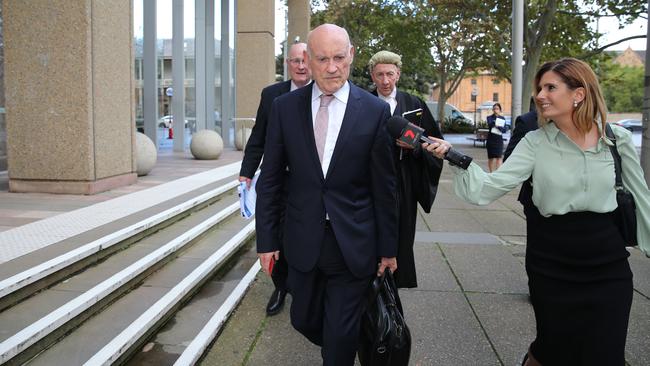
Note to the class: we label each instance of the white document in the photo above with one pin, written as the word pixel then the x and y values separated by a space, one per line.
pixel 247 198
pixel 498 123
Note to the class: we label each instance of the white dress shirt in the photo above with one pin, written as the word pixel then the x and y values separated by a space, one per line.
pixel 336 111
pixel 294 86
pixel 391 100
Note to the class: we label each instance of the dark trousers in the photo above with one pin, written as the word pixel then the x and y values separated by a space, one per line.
pixel 281 268
pixel 327 303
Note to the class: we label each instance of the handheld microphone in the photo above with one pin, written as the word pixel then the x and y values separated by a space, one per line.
pixel 403 130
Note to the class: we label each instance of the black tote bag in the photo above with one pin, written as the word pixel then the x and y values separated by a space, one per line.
pixel 385 338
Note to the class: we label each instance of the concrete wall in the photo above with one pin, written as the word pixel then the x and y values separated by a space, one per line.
pixel 69 95
pixel 3 143
pixel 255 53
pixel 299 20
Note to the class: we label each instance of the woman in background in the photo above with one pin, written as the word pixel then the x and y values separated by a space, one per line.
pixel 494 144
pixel 579 277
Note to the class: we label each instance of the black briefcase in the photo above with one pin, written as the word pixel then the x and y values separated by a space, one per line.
pixel 385 338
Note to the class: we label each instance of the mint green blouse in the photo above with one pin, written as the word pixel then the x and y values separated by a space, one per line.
pixel 565 178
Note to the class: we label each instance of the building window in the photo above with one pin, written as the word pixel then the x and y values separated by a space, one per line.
pixel 495 97
pixel 138 69
pixel 473 98
pixel 160 71
pixel 473 81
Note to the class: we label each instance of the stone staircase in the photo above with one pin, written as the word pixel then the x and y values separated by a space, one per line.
pixel 150 287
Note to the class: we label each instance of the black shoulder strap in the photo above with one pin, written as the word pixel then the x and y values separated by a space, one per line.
pixel 615 154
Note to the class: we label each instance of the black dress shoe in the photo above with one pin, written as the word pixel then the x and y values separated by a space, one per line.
pixel 276 302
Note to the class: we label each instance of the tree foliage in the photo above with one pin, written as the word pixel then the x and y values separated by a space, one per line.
pixel 622 86
pixel 554 29
pixel 377 25
pixel 440 40
pixel 460 34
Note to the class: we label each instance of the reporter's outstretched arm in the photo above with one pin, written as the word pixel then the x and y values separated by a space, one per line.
pixel 474 185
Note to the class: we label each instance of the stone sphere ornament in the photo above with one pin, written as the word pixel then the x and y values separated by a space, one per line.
pixel 206 145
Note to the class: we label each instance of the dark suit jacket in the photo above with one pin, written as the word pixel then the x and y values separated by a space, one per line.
pixel 523 124
pixel 255 145
pixel 358 191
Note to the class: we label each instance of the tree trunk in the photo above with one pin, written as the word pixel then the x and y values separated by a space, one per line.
pixel 442 98
pixel 534 46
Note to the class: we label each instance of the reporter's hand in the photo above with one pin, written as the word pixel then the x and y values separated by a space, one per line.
pixel 403 145
pixel 439 148
pixel 265 260
pixel 390 263
pixel 247 180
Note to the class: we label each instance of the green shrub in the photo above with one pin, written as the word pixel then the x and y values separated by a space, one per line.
pixel 456 126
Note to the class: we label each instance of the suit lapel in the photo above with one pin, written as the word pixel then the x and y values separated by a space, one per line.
pixel 286 87
pixel 308 128
pixel 350 119
pixel 401 104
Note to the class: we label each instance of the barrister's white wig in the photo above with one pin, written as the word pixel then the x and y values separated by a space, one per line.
pixel 385 57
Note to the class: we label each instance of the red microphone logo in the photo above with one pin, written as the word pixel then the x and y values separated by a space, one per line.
pixel 409 134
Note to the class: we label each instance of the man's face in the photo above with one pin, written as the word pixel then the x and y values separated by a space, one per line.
pixel 331 57
pixel 385 76
pixel 297 65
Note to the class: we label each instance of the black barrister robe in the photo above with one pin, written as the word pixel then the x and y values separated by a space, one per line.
pixel 417 182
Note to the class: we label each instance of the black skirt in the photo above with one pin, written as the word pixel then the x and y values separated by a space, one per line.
pixel 494 146
pixel 580 288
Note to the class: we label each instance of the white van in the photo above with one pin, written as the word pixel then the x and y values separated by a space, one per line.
pixel 450 111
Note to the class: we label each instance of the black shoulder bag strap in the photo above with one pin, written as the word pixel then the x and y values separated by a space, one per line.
pixel 626 220
pixel 616 155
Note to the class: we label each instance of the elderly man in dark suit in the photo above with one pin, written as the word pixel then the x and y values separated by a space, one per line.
pixel 417 173
pixel 299 77
pixel 340 226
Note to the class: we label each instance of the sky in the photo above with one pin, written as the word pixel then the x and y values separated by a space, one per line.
pixel 610 27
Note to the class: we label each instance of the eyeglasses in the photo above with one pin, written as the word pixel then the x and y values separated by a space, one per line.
pixel 297 61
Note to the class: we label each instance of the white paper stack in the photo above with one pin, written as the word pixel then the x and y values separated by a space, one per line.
pixel 499 123
pixel 247 198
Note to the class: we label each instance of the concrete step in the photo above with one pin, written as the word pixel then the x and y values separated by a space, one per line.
pixel 68 303
pixel 111 336
pixel 27 274
pixel 187 334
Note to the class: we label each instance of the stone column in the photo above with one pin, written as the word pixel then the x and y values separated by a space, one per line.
pixel 69 95
pixel 255 53
pixel 299 18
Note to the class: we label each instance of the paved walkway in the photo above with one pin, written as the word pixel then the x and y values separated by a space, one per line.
pixel 471 306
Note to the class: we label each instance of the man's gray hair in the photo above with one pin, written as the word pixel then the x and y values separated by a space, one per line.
pixel 385 57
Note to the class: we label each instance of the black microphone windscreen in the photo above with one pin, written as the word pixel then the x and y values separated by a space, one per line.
pixel 396 125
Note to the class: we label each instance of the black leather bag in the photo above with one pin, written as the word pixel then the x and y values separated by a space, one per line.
pixel 626 211
pixel 385 338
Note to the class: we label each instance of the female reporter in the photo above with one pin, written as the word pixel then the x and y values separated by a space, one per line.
pixel 579 278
